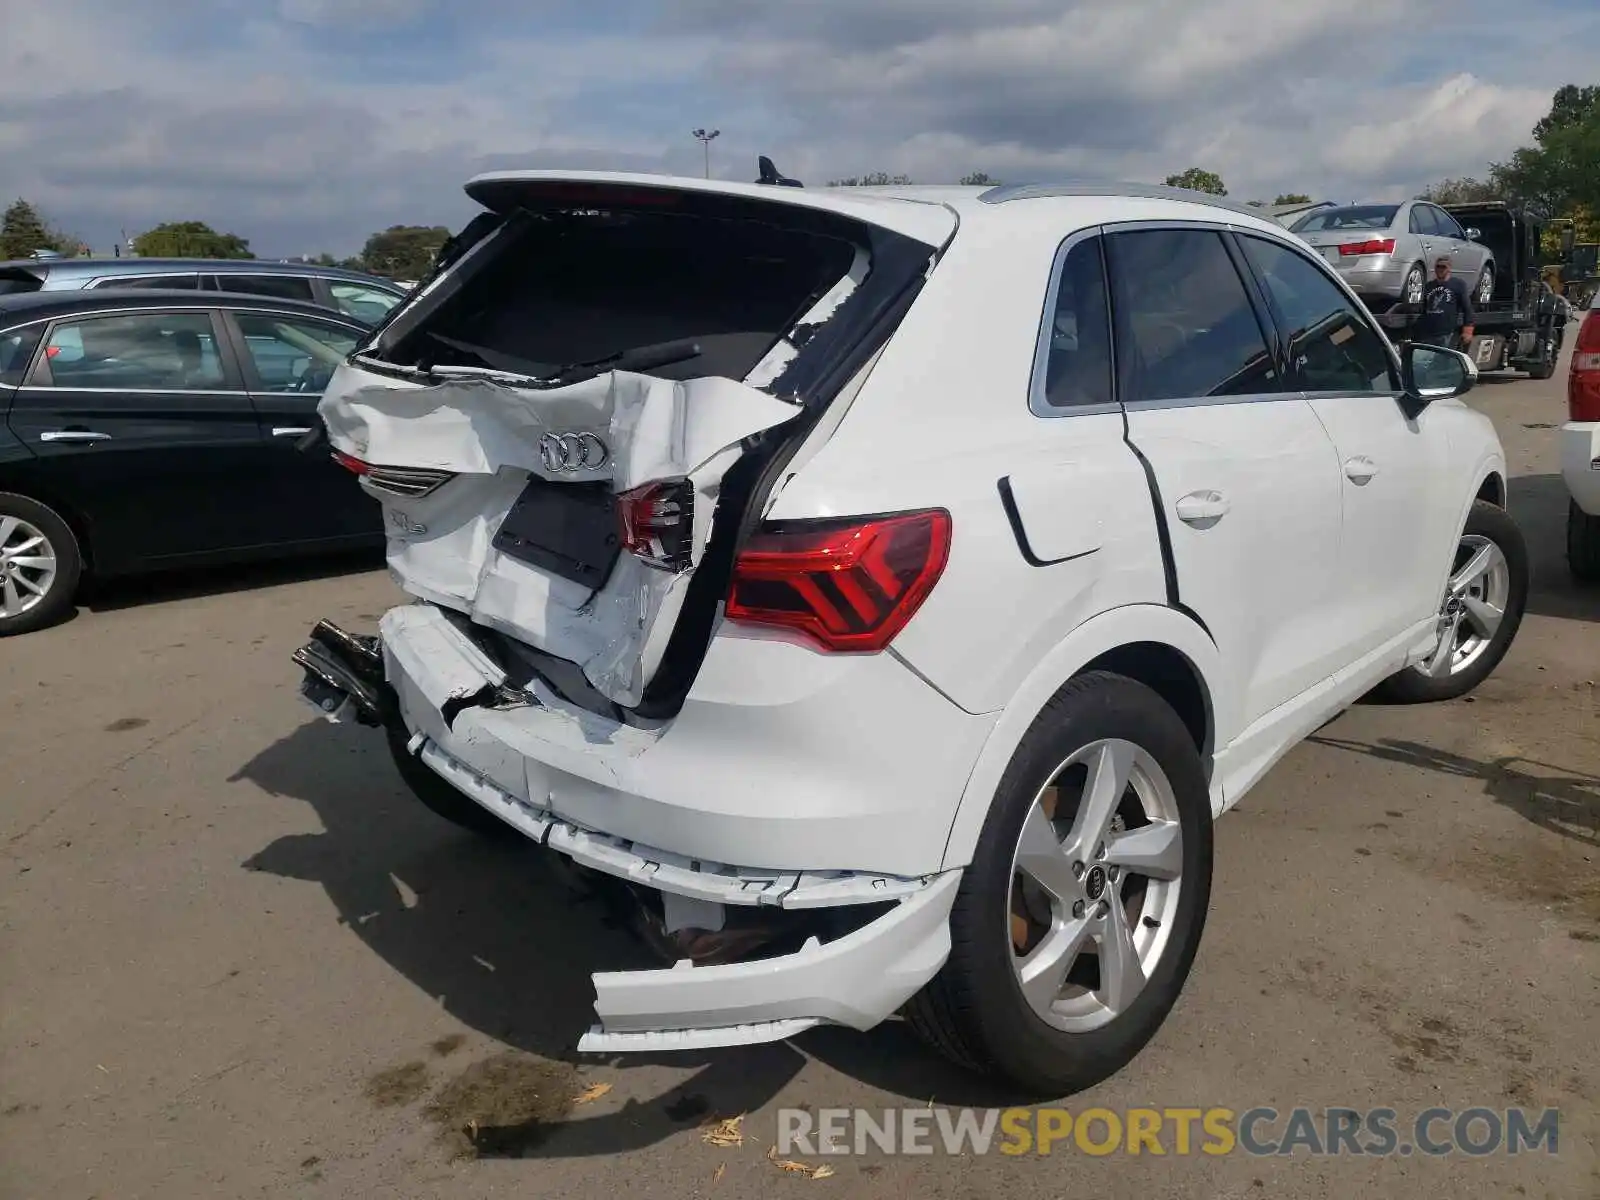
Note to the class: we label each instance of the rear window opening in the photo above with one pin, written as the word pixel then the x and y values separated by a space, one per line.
pixel 583 285
pixel 1360 216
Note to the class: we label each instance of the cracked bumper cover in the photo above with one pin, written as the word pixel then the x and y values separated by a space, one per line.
pixel 559 774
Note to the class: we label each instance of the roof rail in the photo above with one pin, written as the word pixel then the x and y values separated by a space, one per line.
pixel 1001 193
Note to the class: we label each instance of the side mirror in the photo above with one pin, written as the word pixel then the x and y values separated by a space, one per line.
pixel 1432 373
pixel 1474 235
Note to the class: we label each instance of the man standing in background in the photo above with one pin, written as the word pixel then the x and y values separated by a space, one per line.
pixel 1446 307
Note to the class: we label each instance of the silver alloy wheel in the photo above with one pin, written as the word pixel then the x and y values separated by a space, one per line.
pixel 1096 878
pixel 1474 605
pixel 1485 286
pixel 27 566
pixel 1414 286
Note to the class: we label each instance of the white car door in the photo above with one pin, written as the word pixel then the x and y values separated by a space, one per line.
pixel 1246 477
pixel 1396 524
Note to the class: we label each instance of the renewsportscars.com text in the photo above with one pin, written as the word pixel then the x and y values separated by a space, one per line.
pixel 1261 1131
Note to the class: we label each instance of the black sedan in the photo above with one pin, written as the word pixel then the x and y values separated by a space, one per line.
pixel 143 430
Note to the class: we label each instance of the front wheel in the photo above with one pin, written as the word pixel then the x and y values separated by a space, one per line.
pixel 1583 544
pixel 1482 607
pixel 40 565
pixel 1077 922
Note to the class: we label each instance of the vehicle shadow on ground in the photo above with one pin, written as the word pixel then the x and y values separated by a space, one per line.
pixel 491 932
pixel 195 582
pixel 1558 800
pixel 1539 504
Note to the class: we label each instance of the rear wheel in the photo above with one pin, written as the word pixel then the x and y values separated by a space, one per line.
pixel 1078 919
pixel 1583 544
pixel 1479 614
pixel 444 800
pixel 1411 293
pixel 40 565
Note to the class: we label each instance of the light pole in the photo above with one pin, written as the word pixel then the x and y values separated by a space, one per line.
pixel 704 136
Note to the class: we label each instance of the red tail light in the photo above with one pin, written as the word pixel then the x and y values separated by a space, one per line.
pixel 658 523
pixel 1375 246
pixel 1583 383
pixel 846 586
pixel 351 463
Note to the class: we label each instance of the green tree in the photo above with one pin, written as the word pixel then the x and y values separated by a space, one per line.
pixel 1292 198
pixel 875 179
pixel 1561 170
pixel 189 239
pixel 1196 179
pixel 404 251
pixel 1465 190
pixel 978 179
pixel 23 230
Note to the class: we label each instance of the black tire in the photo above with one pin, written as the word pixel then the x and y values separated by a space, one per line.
pixel 1583 544
pixel 1416 274
pixel 440 797
pixel 973 1012
pixel 1412 685
pixel 62 544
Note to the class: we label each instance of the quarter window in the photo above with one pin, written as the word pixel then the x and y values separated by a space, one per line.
pixel 366 304
pixel 1078 359
pixel 1185 325
pixel 136 351
pixel 16 348
pixel 280 287
pixel 1331 348
pixel 294 355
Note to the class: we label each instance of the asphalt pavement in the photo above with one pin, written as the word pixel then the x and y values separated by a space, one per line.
pixel 237 959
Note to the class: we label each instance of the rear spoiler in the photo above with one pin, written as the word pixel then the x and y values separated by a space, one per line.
pixel 12 274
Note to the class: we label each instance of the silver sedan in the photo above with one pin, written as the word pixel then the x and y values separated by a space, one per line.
pixel 1385 252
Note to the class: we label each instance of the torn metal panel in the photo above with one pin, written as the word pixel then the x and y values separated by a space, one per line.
pixel 488 434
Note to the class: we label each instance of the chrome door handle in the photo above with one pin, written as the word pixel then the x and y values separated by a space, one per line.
pixel 1200 507
pixel 290 430
pixel 73 435
pixel 1360 469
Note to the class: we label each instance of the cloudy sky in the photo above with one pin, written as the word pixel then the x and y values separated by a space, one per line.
pixel 304 125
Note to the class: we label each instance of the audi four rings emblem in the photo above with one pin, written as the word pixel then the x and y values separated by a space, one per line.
pixel 572 452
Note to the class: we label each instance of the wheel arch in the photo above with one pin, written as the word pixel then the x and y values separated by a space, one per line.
pixel 75 520
pixel 1493 488
pixel 1157 645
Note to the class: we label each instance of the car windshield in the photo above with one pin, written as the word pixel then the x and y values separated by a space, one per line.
pixel 1362 216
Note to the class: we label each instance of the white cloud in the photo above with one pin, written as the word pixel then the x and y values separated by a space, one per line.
pixel 307 124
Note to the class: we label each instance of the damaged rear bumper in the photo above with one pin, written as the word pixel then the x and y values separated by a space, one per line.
pixel 422 677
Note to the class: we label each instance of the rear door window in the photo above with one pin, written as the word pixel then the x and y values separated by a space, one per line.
pixel 281 287
pixel 293 354
pixel 578 286
pixel 1186 328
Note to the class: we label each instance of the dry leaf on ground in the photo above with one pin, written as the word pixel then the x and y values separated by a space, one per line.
pixel 591 1093
pixel 727 1132
pixel 798 1168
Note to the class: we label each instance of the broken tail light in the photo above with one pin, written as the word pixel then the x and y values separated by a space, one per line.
pixel 658 523
pixel 845 586
pixel 1583 381
pixel 1372 246
pixel 410 482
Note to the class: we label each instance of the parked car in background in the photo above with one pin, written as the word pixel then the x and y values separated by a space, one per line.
pixel 890 622
pixel 1385 252
pixel 368 298
pixel 1580 449
pixel 146 429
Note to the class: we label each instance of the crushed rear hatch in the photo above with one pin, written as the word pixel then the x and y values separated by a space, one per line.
pixel 570 424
